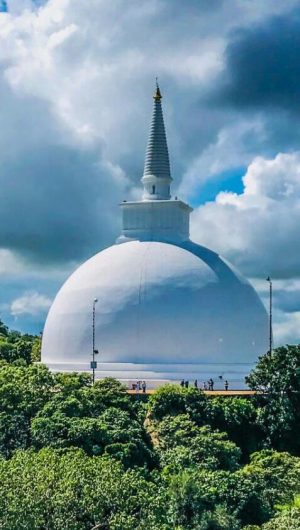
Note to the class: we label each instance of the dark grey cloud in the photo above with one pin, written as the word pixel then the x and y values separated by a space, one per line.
pixel 262 65
pixel 195 6
pixel 288 301
pixel 58 201
pixel 52 203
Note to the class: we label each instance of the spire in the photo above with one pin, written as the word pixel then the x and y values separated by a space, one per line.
pixel 157 176
pixel 157 94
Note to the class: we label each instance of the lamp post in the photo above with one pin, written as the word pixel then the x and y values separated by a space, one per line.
pixel 270 314
pixel 93 362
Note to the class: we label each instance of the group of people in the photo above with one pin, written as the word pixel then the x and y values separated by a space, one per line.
pixel 139 385
pixel 186 384
pixel 207 385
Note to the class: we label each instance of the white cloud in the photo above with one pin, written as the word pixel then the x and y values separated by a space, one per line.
pixel 258 229
pixel 287 328
pixel 95 64
pixel 30 303
pixel 231 149
pixel 10 264
pixel 286 308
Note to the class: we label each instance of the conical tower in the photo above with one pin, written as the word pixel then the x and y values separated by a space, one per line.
pixel 156 217
pixel 157 176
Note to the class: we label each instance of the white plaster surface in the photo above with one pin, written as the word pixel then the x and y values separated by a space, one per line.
pixel 164 311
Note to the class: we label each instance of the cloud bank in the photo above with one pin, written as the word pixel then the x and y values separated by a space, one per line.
pixel 259 228
pixel 76 80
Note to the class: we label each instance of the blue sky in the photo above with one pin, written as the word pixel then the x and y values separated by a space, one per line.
pixel 230 180
pixel 76 80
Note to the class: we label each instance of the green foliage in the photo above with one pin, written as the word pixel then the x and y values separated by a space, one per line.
pixel 269 479
pixel 294 504
pixel 170 400
pixel 15 347
pixel 278 372
pixel 167 400
pixel 249 494
pixel 192 503
pixel 176 430
pixel 280 473
pixel 36 347
pixel 3 329
pixel 113 432
pixel 23 392
pixel 277 376
pixel 15 351
pixel 183 444
pixel 241 493
pixel 219 519
pixel 237 417
pixel 290 520
pixel 70 491
pixel 77 456
pixel 287 518
pixel 111 393
pixel 70 382
pixel 97 419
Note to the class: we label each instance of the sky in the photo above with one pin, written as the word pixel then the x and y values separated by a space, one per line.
pixel 76 84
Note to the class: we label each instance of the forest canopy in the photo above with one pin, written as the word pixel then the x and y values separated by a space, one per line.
pixel 78 456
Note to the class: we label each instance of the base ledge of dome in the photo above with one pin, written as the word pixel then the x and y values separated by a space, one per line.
pixel 157 374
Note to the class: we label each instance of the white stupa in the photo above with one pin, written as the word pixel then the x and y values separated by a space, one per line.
pixel 167 308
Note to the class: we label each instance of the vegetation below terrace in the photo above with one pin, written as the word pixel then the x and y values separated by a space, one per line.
pixel 78 457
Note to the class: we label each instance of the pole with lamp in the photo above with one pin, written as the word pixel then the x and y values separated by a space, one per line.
pixel 93 362
pixel 270 314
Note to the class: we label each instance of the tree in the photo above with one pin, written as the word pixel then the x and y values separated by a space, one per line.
pixel 277 378
pixel 70 382
pixel 71 491
pixel 280 473
pixel 289 516
pixel 18 347
pixel 109 392
pixel 167 400
pixel 219 518
pixel 238 418
pixel 183 444
pixel 90 418
pixel 3 329
pixel 173 399
pixel 257 488
pixel 192 500
pixel 15 351
pixel 36 349
pixel 113 432
pixel 24 390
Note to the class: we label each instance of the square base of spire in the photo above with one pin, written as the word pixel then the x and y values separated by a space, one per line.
pixel 150 220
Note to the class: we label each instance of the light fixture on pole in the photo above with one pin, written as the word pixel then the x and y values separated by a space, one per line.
pixel 93 362
pixel 268 279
